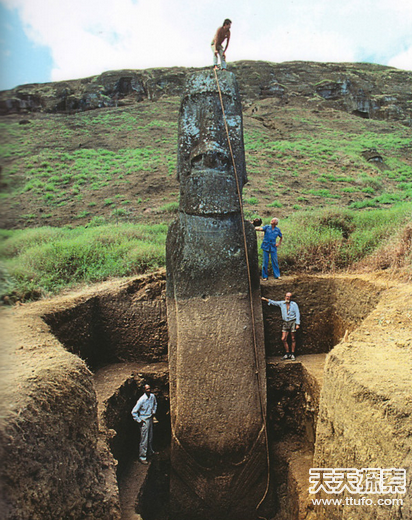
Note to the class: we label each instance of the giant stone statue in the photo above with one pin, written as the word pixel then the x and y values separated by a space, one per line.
pixel 216 356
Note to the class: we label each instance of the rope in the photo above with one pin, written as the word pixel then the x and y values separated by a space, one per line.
pixel 262 411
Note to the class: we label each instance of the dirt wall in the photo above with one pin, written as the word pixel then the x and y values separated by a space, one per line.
pixel 365 416
pixel 55 458
pixel 116 416
pixel 119 322
pixel 54 462
pixel 128 321
pixel 328 305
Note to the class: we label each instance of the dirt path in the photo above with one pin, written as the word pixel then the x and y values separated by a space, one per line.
pixel 130 485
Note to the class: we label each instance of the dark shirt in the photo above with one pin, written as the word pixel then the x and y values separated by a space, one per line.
pixel 270 237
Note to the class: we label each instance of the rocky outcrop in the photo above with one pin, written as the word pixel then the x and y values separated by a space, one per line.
pixel 107 90
pixel 366 90
pixel 216 343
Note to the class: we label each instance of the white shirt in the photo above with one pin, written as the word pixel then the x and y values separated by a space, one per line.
pixel 145 407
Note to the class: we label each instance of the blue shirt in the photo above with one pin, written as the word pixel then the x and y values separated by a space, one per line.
pixel 270 237
pixel 293 313
pixel 144 408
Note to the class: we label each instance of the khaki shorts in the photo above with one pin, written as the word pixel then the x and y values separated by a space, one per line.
pixel 289 326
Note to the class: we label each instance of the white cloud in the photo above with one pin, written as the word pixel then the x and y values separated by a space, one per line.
pixel 402 60
pixel 87 37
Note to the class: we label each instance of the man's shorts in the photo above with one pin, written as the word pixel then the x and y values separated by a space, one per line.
pixel 289 326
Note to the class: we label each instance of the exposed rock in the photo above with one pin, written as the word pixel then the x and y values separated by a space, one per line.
pixel 333 90
pixel 366 90
pixel 373 156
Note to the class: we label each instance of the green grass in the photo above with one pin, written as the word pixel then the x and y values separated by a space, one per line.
pixel 46 260
pixel 171 207
pixel 333 157
pixel 336 238
pixel 301 169
pixel 63 172
pixel 275 204
pixel 42 261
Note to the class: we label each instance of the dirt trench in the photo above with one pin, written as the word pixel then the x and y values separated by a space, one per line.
pixel 96 348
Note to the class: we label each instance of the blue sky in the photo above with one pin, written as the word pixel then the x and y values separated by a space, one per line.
pixel 21 61
pixel 52 40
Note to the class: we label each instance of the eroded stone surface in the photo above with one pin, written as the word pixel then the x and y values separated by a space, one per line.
pixel 217 368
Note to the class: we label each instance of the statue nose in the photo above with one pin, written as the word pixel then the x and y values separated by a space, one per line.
pixel 209 155
pixel 216 161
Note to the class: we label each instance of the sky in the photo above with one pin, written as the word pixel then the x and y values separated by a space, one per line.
pixel 53 40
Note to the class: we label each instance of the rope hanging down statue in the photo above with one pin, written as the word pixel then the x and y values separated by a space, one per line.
pixel 217 377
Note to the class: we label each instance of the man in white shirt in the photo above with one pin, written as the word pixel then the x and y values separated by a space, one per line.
pixel 143 413
pixel 291 322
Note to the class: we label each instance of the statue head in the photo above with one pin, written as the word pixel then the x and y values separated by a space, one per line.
pixel 205 166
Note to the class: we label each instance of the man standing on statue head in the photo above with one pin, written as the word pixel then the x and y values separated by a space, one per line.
pixel 143 413
pixel 222 34
pixel 290 322
pixel 270 246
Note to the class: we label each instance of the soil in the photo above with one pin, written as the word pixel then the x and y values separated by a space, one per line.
pixel 62 421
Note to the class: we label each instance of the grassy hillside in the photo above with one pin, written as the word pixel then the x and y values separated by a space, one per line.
pixel 104 175
pixel 41 261
pixel 119 163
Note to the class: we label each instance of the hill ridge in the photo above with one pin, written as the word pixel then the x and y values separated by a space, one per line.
pixel 368 90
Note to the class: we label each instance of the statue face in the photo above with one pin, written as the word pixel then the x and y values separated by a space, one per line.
pixel 205 166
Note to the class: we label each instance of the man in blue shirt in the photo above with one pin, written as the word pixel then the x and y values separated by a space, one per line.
pixel 291 322
pixel 143 413
pixel 269 246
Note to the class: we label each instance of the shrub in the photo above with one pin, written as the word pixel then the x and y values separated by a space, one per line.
pixel 275 204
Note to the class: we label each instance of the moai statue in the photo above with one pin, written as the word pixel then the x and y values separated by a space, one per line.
pixel 216 356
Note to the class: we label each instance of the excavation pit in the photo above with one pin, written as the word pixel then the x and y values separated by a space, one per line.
pixel 119 332
pixel 293 402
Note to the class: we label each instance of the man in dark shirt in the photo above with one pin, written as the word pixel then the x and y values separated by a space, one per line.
pixel 270 247
pixel 222 34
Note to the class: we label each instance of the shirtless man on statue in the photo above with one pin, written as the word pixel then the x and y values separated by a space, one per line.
pixel 222 34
